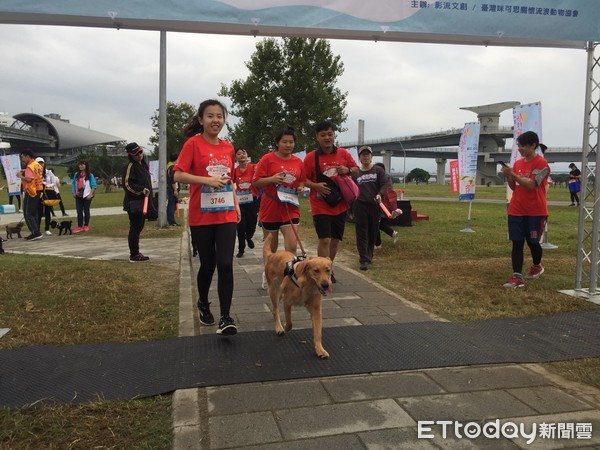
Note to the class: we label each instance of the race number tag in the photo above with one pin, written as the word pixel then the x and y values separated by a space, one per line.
pixel 244 197
pixel 288 195
pixel 214 200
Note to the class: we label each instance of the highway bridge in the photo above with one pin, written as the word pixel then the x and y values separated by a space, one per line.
pixel 443 146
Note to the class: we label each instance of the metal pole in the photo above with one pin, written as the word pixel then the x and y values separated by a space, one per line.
pixel 404 169
pixel 162 133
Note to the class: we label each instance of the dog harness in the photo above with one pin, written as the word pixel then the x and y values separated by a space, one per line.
pixel 289 269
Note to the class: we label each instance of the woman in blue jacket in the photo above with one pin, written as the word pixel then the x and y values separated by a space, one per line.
pixel 83 189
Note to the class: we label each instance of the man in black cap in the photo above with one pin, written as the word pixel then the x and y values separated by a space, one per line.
pixel 137 185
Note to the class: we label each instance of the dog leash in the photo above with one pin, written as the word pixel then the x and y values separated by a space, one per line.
pixel 294 230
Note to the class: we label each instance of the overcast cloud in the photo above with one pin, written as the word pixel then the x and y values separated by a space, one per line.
pixel 107 80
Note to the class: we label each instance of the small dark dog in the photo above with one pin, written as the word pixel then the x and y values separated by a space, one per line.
pixel 14 229
pixel 64 226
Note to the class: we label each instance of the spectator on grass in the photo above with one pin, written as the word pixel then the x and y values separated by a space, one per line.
pixel 83 188
pixel 527 210
pixel 31 179
pixel 574 183
pixel 137 186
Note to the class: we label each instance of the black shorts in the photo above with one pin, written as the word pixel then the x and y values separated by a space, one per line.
pixel 275 226
pixel 330 226
pixel 526 228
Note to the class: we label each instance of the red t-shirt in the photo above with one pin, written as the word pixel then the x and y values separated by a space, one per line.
pixel 200 157
pixel 243 179
pixel 271 208
pixel 530 202
pixel 328 164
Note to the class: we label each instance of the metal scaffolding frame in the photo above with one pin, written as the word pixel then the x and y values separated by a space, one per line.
pixel 586 284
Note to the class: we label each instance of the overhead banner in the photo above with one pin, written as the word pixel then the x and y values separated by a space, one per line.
pixel 559 23
pixel 11 165
pixel 467 160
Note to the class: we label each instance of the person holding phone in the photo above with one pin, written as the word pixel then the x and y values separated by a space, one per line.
pixel 528 209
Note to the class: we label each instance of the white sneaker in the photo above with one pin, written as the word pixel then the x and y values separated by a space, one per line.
pixel 264 281
pixel 394 237
pixel 48 233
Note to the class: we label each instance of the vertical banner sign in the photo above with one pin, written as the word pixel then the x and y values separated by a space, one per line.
pixel 153 166
pixel 467 160
pixel 11 165
pixel 525 118
pixel 454 184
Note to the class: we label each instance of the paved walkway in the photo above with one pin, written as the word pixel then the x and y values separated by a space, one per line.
pixel 363 411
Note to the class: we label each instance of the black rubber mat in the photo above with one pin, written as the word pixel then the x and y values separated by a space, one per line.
pixel 81 373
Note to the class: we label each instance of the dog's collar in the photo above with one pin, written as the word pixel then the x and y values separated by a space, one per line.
pixel 290 269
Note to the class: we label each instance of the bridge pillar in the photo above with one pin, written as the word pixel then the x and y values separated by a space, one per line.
pixel 441 170
pixel 387 159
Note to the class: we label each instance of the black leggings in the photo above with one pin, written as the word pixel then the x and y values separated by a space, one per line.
pixel 215 245
pixel 136 225
pixel 247 225
pixel 517 254
pixel 574 197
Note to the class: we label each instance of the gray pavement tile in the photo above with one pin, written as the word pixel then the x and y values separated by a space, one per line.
pixel 570 436
pixel 256 397
pixel 342 419
pixel 353 312
pixel 465 406
pixel 389 385
pixel 451 442
pixel 376 320
pixel 259 299
pixel 238 430
pixel 463 379
pixel 240 307
pixel 342 441
pixel 395 439
pixel 357 301
pixel 251 292
pixel 549 399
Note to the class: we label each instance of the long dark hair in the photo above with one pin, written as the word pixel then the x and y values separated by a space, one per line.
pixel 193 126
pixel 87 169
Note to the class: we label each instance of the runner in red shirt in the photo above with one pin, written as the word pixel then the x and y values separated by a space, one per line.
pixel 247 199
pixel 206 163
pixel 329 221
pixel 281 175
pixel 528 208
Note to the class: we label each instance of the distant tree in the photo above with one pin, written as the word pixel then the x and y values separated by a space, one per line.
pixel 177 116
pixel 292 82
pixel 103 167
pixel 418 175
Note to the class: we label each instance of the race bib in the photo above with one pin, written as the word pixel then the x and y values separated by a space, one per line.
pixel 215 200
pixel 244 197
pixel 288 195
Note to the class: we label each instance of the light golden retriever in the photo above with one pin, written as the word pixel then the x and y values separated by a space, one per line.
pixel 313 276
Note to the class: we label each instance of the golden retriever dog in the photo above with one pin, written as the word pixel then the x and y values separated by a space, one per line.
pixel 310 280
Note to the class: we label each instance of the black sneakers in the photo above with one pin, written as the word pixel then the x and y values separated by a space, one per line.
pixel 34 237
pixel 138 258
pixel 204 314
pixel 226 326
pixel 250 243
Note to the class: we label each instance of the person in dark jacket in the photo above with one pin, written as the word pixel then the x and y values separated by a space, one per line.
pixel 136 185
